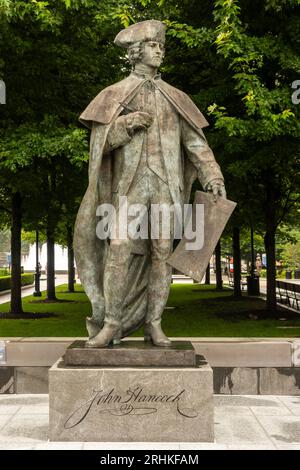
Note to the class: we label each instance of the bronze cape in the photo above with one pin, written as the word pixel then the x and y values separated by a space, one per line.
pixel 90 251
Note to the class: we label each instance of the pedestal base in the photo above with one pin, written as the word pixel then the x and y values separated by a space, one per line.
pixel 131 404
pixel 130 354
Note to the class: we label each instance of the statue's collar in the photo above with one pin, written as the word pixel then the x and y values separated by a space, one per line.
pixel 145 76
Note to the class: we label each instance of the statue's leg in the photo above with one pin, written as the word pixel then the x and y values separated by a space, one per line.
pixel 160 272
pixel 116 270
pixel 158 292
pixel 115 273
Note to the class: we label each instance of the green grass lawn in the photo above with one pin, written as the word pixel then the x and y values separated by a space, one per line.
pixel 199 311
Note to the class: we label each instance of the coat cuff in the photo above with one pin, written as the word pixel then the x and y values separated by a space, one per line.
pixel 118 134
pixel 217 180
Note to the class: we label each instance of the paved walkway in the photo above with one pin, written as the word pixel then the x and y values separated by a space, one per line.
pixel 29 290
pixel 241 422
pixel 63 279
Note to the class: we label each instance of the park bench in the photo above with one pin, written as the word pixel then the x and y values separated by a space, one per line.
pixel 289 294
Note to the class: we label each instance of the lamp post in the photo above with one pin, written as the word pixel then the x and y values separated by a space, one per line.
pixel 253 279
pixel 252 272
pixel 37 275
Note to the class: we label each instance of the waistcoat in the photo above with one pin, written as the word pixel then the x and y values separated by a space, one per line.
pixel 151 155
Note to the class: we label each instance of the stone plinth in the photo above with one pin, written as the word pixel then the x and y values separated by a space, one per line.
pixel 131 354
pixel 131 404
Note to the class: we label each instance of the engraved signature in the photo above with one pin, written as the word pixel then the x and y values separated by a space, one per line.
pixel 135 402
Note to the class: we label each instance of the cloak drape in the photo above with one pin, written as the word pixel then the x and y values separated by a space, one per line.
pixel 90 252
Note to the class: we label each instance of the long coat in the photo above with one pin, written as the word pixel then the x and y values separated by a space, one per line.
pixel 90 252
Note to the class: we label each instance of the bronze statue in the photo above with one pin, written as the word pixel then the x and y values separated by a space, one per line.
pixel 146 144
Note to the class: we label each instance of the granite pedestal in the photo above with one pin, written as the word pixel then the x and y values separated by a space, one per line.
pixel 139 403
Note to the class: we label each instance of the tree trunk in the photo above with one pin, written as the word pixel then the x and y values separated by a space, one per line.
pixel 50 267
pixel 270 246
pixel 219 281
pixel 236 262
pixel 269 239
pixel 16 298
pixel 207 274
pixel 71 269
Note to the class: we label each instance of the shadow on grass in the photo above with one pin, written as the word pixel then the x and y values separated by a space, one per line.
pixel 75 292
pixel 26 316
pixel 232 298
pixel 212 290
pixel 52 301
pixel 259 314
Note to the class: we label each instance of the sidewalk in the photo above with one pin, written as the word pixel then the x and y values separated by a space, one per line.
pixel 29 290
pixel 241 422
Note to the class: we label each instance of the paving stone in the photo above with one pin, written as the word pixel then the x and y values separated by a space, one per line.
pixel 288 447
pixel 25 429
pixel 251 447
pixel 203 446
pixel 4 420
pixel 235 410
pixel 15 446
pixel 33 410
pixel 8 409
pixel 25 399
pixel 292 403
pixel 282 429
pixel 131 446
pixel 237 429
pixel 271 410
pixel 246 400
pixel 59 446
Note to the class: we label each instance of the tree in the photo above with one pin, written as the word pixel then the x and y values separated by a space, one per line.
pixel 50 58
pixel 236 68
pixel 290 250
pixel 219 282
pixel 29 156
pixel 261 123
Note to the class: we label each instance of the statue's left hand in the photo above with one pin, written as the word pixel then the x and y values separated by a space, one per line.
pixel 217 188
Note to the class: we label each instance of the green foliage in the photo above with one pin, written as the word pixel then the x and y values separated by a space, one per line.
pixel 290 252
pixel 4 240
pixel 236 58
pixel 188 35
pixel 5 281
pixel 266 95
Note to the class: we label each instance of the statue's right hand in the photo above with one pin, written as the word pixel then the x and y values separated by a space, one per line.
pixel 138 120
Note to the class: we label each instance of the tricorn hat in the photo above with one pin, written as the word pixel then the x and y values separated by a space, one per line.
pixel 150 30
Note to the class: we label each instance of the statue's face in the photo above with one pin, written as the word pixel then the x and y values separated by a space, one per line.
pixel 152 53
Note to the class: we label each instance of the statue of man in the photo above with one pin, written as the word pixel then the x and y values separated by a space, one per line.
pixel 146 144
